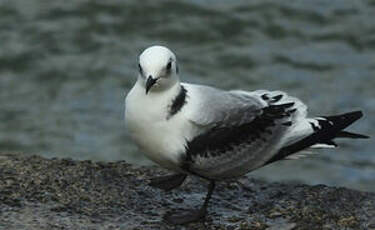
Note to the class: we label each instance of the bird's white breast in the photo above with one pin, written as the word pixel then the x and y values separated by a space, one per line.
pixel 162 140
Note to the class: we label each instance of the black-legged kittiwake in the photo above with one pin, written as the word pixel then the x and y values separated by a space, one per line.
pixel 215 134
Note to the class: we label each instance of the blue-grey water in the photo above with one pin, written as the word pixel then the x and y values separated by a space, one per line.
pixel 66 66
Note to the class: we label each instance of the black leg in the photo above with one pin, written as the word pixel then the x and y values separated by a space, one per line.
pixel 168 182
pixel 191 215
pixel 211 188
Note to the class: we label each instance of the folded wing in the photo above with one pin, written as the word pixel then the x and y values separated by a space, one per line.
pixel 241 130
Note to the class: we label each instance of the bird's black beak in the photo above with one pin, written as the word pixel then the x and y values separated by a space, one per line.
pixel 150 82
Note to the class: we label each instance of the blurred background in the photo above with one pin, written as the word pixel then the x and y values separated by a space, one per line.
pixel 66 66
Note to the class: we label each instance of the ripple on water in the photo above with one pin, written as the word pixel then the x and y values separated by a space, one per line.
pixel 65 68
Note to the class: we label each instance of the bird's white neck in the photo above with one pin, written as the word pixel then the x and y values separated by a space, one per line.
pixel 155 103
pixel 146 116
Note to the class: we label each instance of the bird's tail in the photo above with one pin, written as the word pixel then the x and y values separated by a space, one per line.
pixel 324 131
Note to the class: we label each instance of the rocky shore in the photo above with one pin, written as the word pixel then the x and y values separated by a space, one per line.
pixel 39 193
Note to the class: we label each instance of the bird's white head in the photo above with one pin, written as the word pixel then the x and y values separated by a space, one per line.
pixel 157 69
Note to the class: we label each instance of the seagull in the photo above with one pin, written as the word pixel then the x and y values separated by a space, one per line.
pixel 214 134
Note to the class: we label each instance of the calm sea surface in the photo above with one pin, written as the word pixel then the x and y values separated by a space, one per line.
pixel 66 66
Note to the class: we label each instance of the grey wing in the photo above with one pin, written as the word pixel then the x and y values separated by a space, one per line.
pixel 214 107
pixel 242 131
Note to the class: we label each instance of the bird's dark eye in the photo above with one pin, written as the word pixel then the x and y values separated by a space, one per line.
pixel 140 68
pixel 169 65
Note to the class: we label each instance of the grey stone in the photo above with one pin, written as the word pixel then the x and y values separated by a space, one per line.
pixel 39 193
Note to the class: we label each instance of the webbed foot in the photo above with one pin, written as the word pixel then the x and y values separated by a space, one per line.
pixel 187 216
pixel 168 182
pixel 190 216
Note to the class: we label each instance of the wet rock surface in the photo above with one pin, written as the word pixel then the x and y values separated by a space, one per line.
pixel 39 193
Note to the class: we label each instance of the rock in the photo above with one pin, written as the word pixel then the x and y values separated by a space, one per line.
pixel 371 224
pixel 39 193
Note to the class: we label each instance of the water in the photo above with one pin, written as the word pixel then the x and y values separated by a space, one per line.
pixel 65 68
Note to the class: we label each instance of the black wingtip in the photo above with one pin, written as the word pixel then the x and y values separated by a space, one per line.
pixel 347 134
pixel 330 128
pixel 355 114
pixel 344 120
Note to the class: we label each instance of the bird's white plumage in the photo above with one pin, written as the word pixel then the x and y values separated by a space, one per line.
pixel 164 138
pixel 160 139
